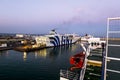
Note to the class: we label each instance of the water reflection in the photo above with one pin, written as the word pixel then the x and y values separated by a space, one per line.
pixel 54 52
pixel 24 56
pixel 51 53
pixel 3 53
pixel 41 53
pixel 41 64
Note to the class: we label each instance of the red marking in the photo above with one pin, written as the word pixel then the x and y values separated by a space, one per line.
pixel 77 60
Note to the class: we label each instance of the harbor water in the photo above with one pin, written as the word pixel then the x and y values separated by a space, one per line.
pixel 43 64
pixel 46 64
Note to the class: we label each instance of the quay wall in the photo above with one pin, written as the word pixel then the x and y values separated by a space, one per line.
pixel 112 39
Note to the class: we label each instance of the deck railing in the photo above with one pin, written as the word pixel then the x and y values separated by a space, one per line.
pixel 69 75
pixel 113 31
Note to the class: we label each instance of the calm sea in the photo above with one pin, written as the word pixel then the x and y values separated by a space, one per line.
pixel 43 64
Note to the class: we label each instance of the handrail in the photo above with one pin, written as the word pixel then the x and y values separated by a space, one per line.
pixel 115 71
pixel 106 57
pixel 69 74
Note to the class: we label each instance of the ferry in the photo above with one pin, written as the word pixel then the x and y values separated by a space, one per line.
pixel 94 42
pixel 54 39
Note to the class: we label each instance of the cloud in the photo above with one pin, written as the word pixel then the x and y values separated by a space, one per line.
pixel 83 16
pixel 90 15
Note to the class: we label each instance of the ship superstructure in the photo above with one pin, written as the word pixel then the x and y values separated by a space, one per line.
pixel 55 39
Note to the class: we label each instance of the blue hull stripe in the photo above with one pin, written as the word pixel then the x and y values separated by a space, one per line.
pixel 58 40
pixel 53 43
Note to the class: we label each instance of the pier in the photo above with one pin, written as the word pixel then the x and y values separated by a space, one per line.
pixel 28 48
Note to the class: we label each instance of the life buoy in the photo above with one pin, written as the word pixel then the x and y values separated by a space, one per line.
pixel 77 60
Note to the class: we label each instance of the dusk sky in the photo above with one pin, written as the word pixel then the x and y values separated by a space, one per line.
pixel 67 16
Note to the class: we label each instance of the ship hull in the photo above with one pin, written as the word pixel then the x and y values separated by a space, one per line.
pixel 54 39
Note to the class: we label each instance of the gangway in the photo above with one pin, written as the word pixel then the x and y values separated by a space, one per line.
pixel 111 69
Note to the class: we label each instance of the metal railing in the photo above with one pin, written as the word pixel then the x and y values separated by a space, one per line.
pixel 113 28
pixel 69 75
pixel 77 76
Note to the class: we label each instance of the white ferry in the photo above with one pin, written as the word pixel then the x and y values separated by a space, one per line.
pixel 95 42
pixel 55 39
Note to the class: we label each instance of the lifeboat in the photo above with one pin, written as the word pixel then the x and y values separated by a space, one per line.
pixel 77 60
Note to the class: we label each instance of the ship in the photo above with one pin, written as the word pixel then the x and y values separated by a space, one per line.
pixel 94 42
pixel 54 39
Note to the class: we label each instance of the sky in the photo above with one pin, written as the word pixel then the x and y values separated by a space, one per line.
pixel 66 16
